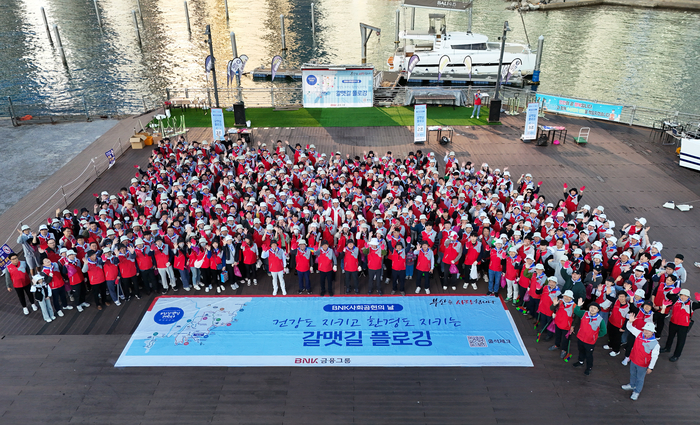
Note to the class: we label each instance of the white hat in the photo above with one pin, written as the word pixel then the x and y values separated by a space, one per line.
pixel 539 266
pixel 374 241
pixel 301 242
pixel 139 241
pixel 641 220
pixel 639 293
pixel 106 250
pixel 37 277
pixel 685 292
pixel 569 293
pixel 43 227
pixel 512 249
pixel 123 238
pixel 110 232
pixel 578 251
pixel 649 327
pixel 25 227
pixel 71 252
pixel 639 269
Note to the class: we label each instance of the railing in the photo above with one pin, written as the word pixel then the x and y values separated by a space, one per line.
pixel 67 192
pixel 81 108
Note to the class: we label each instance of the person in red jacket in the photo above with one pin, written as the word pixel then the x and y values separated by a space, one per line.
pixel 374 255
pixel 144 262
pixel 161 253
pixel 592 327
pixel 302 261
pixel 497 254
pixel 277 262
pixel 111 269
pixel 513 266
pixel 398 268
pixel 96 277
pixel 425 263
pixel 18 277
pixel 327 266
pixel 644 355
pixel 450 257
pixel 351 265
pixel 682 309
pixel 76 280
pixel 563 320
pixel 616 323
pixel 250 258
pixel 128 271
pixel 53 276
pixel 472 257
pixel 550 294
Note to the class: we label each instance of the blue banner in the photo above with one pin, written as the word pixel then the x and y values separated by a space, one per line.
pixel 420 331
pixel 338 88
pixel 110 157
pixel 580 108
pixel 531 121
pixel 420 121
pixel 217 123
pixel 5 252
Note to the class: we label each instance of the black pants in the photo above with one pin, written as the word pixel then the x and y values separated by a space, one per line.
pixel 630 343
pixel 58 296
pixel 660 320
pixel 99 292
pixel 351 277
pixel 585 353
pixel 149 280
pixel 130 287
pixel 327 276
pixel 521 293
pixel 561 341
pixel 614 337
pixel 532 305
pixel 375 279
pixel 398 277
pixel 78 294
pixel 682 332
pixel 207 278
pixel 422 277
pixel 248 271
pixel 544 322
pixel 21 292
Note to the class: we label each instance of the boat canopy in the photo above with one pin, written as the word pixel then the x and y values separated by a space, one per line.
pixel 460 6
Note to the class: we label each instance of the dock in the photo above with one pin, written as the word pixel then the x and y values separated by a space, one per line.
pixel 281 74
pixel 653 4
pixel 62 372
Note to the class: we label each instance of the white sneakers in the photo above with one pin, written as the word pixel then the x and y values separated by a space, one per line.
pixel 218 289
pixel 474 286
pixel 454 288
pixel 197 287
pixel 79 308
pixel 427 291
pixel 634 396
pixel 614 354
pixel 206 289
pixel 68 307
pixel 465 286
pixel 626 361
pixel 34 307
pixel 444 288
pixel 25 310
pixel 49 320
pixel 418 290
pixel 627 387
pixel 486 278
pixel 248 282
pixel 606 347
pixel 115 303
pixel 187 289
pixel 85 305
pixel 255 282
pixel 274 292
pixel 60 313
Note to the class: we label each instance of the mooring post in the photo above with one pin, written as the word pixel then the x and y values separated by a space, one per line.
pixel 97 12
pixel 59 43
pixel 46 25
pixel 136 25
pixel 284 42
pixel 187 17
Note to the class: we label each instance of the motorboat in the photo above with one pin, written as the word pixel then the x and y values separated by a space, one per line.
pixel 483 55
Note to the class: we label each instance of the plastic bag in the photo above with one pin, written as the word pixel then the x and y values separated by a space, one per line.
pixel 237 271
pixel 503 281
pixel 473 274
pixel 453 269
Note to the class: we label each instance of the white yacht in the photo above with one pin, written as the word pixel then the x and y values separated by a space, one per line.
pixel 437 42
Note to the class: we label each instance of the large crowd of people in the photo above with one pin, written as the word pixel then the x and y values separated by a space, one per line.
pixel 212 216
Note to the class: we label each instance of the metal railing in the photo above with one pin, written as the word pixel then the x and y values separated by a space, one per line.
pixel 76 108
pixel 66 193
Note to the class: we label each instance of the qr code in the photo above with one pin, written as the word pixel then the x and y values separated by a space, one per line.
pixel 477 341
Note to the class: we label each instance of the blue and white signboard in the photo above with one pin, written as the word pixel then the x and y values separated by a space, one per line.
pixel 5 252
pixel 420 121
pixel 421 331
pixel 110 157
pixel 217 124
pixel 580 108
pixel 338 88
pixel 531 121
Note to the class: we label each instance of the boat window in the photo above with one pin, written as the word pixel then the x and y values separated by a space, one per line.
pixel 478 46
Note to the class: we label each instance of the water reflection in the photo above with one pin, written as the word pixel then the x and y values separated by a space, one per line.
pixel 632 56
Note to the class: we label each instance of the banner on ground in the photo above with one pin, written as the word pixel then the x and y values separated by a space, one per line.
pixel 338 87
pixel 421 331
pixel 110 157
pixel 420 121
pixel 533 110
pixel 580 108
pixel 217 123
pixel 5 252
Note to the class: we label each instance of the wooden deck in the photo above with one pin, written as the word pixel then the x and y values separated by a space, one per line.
pixel 63 372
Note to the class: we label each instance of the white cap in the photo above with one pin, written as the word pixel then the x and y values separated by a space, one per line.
pixel 301 242
pixel 539 266
pixel 639 293
pixel 642 220
pixel 106 250
pixel 43 227
pixel 685 292
pixel 37 277
pixel 649 327
pixel 25 227
pixel 569 293
pixel 374 241
pixel 139 241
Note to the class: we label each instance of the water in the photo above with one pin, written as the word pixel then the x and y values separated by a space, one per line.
pixel 640 57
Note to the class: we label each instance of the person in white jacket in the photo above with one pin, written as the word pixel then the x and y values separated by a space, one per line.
pixel 42 294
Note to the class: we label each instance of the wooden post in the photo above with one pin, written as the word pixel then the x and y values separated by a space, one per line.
pixel 46 25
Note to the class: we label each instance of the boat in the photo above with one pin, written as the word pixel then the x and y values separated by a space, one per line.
pixel 430 47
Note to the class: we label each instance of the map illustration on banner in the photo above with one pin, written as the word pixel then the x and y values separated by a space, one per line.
pixel 341 87
pixel 217 123
pixel 422 331
pixel 580 108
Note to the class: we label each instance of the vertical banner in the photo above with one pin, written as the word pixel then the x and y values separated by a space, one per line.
pixel 514 66
pixel 420 120
pixel 275 65
pixel 442 65
pixel 110 156
pixel 217 123
pixel 468 65
pixel 208 64
pixel 411 66
pixel 531 121
pixel 5 252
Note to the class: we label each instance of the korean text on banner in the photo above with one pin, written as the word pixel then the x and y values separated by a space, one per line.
pixel 531 121
pixel 5 252
pixel 580 108
pixel 110 156
pixel 217 123
pixel 338 88
pixel 420 119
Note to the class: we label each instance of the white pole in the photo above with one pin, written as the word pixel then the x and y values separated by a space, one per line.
pixel 313 22
pixel 138 3
pixel 284 42
pixel 97 12
pixel 136 25
pixel 398 22
pixel 226 7
pixel 46 25
pixel 234 49
pixel 187 17
pixel 59 43
pixel 413 18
